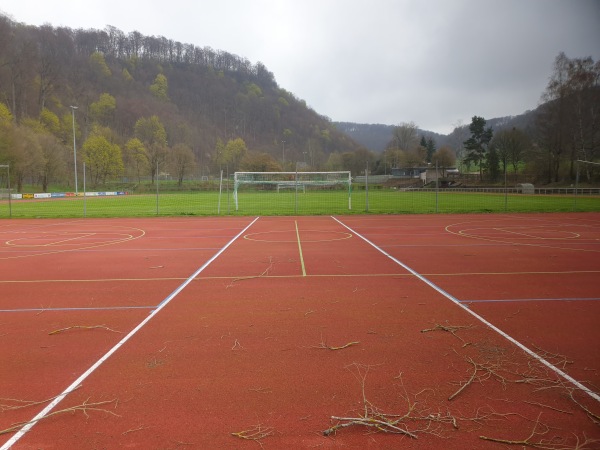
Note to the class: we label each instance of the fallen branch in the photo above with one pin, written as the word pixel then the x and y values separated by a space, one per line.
pixel 84 407
pixel 593 417
pixel 20 404
pixel 373 418
pixel 261 390
pixel 452 329
pixel 534 440
pixel 382 424
pixel 255 433
pixel 547 406
pixel 133 430
pixel 264 273
pixel 497 370
pixel 323 345
pixel 525 442
pixel 555 359
pixel 84 327
pixel 473 375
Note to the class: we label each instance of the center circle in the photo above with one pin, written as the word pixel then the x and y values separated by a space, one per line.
pixel 291 236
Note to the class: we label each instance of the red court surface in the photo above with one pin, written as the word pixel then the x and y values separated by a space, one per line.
pixel 383 332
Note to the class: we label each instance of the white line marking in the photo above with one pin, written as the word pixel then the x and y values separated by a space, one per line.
pixel 108 354
pixel 300 250
pixel 478 317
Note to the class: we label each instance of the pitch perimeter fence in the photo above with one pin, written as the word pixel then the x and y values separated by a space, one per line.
pixel 298 200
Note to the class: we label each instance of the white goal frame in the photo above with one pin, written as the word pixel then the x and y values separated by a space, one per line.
pixel 298 181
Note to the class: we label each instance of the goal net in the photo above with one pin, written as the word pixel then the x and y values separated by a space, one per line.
pixel 295 189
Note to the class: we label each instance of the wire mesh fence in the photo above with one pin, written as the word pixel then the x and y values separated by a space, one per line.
pixel 218 199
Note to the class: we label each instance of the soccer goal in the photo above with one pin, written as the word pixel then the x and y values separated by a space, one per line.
pixel 587 169
pixel 280 184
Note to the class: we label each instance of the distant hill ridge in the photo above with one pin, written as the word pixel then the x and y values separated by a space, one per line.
pixel 376 137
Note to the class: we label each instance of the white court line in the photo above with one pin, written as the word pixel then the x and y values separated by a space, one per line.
pixel 43 413
pixel 478 317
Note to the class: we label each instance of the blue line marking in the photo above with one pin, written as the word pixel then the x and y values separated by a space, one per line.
pixel 103 308
pixel 574 299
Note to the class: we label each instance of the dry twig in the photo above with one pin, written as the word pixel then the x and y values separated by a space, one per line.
pixel 499 371
pixel 255 433
pixel 84 327
pixel 324 345
pixel 264 273
pixel 452 329
pixel 375 419
pixel 555 359
pixel 534 440
pixel 593 417
pixel 133 430
pixel 84 407
pixel 12 403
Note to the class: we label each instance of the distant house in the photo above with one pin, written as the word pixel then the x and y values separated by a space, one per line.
pixel 408 172
pixel 425 174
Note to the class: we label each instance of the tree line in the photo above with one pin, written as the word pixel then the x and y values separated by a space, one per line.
pixel 563 130
pixel 133 107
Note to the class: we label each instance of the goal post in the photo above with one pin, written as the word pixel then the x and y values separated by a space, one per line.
pixel 588 167
pixel 297 182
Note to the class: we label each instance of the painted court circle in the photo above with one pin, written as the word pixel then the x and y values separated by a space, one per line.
pixel 305 236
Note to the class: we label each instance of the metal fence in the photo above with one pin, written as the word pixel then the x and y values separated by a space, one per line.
pixel 375 199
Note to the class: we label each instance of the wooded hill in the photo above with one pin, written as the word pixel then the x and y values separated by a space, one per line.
pixel 174 98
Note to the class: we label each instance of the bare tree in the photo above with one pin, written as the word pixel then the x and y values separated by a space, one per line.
pixel 569 121
pixel 511 146
pixel 405 136
pixel 444 158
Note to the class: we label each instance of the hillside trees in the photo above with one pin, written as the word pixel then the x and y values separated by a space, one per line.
pixel 569 121
pixel 393 157
pixel 259 162
pixel 429 144
pixel 136 158
pixel 358 161
pixel 512 146
pixel 405 136
pixel 103 158
pixel 199 95
pixel 405 149
pixel 443 158
pixel 53 165
pixel 160 87
pixel 151 132
pixel 49 69
pixel 32 151
pixel 231 154
pixel 21 149
pixel 103 110
pixel 182 161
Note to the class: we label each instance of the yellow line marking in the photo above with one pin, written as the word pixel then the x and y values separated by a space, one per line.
pixel 343 235
pixel 129 237
pixel 300 250
pixel 358 275
pixel 77 236
pixel 465 232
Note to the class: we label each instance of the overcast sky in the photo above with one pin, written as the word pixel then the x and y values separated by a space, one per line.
pixel 436 63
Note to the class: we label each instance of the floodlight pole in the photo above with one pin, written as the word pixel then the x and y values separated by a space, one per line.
pixel 7 167
pixel 505 188
pixel 367 187
pixel 73 108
